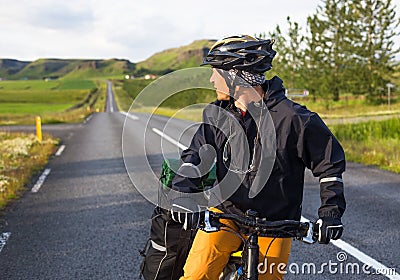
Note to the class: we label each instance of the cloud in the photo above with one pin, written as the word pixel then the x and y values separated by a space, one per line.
pixel 47 14
pixel 132 29
pixel 63 17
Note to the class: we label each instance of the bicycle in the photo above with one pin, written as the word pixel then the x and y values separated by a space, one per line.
pixel 245 265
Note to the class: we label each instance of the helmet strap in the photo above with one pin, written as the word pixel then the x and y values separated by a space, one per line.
pixel 232 89
pixel 231 85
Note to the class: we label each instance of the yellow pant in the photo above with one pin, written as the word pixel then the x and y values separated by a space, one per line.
pixel 211 251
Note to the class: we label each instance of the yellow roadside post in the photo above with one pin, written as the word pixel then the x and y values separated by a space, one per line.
pixel 39 129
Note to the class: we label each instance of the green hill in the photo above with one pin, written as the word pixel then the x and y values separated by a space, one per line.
pixel 65 68
pixel 9 67
pixel 173 59
pixel 101 68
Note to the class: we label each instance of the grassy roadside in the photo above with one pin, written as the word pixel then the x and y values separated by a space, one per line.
pixel 371 143
pixel 94 101
pixel 122 98
pixel 349 106
pixel 22 156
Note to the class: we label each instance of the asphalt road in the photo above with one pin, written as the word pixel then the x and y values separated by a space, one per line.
pixel 88 221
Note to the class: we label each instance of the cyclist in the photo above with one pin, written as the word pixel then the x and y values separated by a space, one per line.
pixel 302 141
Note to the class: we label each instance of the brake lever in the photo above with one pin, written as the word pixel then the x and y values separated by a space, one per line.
pixel 310 238
pixel 209 225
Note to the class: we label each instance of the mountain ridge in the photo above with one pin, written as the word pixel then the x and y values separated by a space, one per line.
pixel 159 63
pixel 55 68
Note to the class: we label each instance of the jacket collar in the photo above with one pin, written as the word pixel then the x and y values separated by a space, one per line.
pixel 274 91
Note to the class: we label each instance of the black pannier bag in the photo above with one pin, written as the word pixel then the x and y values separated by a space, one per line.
pixel 167 249
pixel 168 246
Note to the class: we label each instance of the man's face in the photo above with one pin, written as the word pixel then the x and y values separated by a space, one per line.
pixel 220 85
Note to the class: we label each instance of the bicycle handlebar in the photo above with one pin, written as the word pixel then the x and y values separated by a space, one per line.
pixel 305 231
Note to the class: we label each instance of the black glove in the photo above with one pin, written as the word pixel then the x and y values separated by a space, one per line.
pixel 185 215
pixel 329 228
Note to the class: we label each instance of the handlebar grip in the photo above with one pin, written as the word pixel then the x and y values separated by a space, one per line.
pixel 305 231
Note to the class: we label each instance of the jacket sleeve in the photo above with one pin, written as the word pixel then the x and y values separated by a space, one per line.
pixel 196 160
pixel 323 154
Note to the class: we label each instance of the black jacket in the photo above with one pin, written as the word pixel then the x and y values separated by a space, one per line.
pixel 302 140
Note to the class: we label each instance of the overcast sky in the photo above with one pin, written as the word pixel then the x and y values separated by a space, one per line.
pixel 135 29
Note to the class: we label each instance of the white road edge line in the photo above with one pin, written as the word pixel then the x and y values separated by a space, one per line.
pixel 88 118
pixel 60 150
pixel 3 239
pixel 365 258
pixel 41 180
pixel 338 243
pixel 360 255
pixel 169 139
pixel 132 117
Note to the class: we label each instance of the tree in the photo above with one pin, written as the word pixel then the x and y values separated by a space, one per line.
pixel 377 24
pixel 289 61
pixel 329 59
pixel 348 48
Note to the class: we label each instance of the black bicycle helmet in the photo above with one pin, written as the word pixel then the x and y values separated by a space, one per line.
pixel 242 53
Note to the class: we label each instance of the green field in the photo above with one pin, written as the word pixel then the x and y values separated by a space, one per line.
pixel 42 96
pixel 46 85
pixel 77 84
pixel 55 101
pixel 32 108
pixel 29 85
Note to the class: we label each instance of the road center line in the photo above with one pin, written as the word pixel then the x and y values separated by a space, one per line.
pixel 128 115
pixel 110 97
pixel 60 150
pixel 362 257
pixel 3 239
pixel 41 180
pixel 169 139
